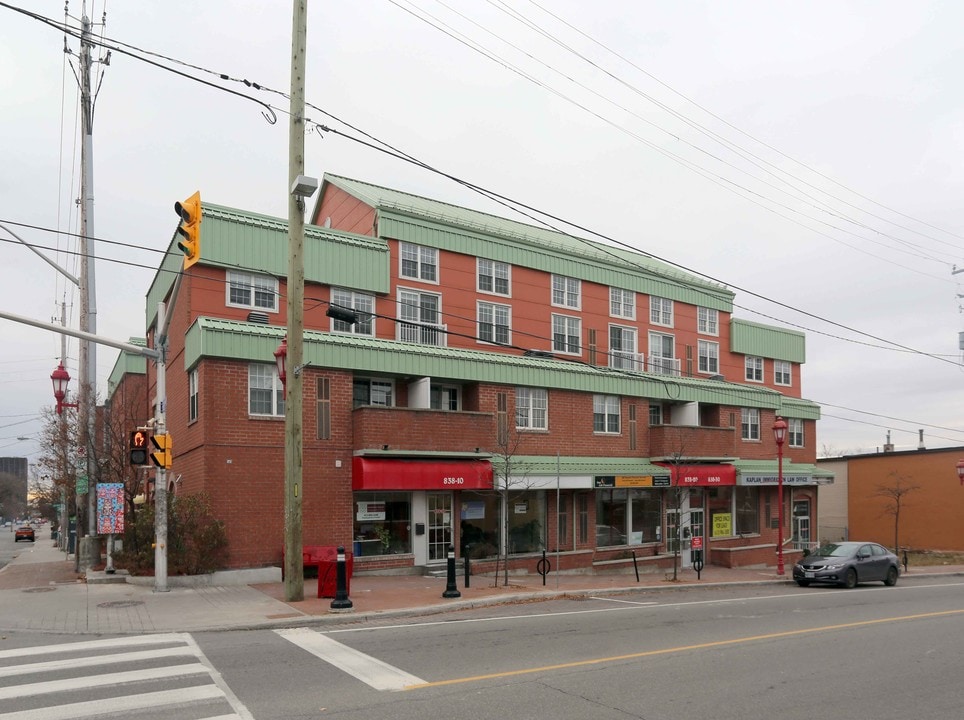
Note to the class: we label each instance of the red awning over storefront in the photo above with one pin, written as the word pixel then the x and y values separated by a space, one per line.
pixel 403 474
pixel 701 475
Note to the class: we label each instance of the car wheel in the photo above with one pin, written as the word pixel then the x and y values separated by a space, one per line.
pixel 850 579
pixel 803 583
pixel 891 578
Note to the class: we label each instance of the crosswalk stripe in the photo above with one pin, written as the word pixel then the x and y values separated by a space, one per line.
pixel 372 671
pixel 95 661
pixel 138 640
pixel 126 704
pixel 106 680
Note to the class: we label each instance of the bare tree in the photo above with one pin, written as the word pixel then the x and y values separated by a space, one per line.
pixel 511 479
pixel 894 493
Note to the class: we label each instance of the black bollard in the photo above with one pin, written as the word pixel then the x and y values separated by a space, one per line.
pixel 465 562
pixel 450 590
pixel 341 601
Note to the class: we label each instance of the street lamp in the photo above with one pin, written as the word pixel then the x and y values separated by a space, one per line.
pixel 780 435
pixel 960 470
pixel 60 377
pixel 280 358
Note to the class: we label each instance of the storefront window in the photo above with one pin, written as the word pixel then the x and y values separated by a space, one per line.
pixel 382 523
pixel 747 510
pixel 646 509
pixel 611 508
pixel 480 518
pixel 721 511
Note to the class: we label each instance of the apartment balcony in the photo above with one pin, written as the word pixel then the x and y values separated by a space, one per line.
pixel 619 360
pixel 691 441
pixel 421 333
pixel 375 426
pixel 663 366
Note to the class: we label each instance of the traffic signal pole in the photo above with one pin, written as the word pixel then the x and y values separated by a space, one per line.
pixel 160 475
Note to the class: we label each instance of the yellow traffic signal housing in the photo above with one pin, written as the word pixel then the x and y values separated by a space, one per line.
pixel 163 456
pixel 189 228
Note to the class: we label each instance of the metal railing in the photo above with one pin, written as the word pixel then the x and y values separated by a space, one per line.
pixel 663 365
pixel 627 361
pixel 422 333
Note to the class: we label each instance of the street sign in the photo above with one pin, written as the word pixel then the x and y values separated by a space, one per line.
pixel 81 485
pixel 697 543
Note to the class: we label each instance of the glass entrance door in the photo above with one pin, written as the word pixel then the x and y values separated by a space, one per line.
pixel 682 525
pixel 439 534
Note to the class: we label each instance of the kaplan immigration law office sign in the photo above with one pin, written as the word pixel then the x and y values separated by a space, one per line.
pixel 773 479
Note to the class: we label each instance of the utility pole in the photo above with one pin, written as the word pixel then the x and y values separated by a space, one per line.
pixel 294 578
pixel 88 553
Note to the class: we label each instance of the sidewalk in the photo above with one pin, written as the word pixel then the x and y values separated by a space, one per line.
pixel 40 592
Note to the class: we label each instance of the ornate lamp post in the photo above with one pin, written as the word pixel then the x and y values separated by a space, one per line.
pixel 780 435
pixel 60 377
pixel 960 470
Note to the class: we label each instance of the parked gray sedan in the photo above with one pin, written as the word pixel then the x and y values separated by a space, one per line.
pixel 848 563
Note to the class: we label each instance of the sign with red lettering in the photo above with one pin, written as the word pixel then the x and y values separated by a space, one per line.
pixel 697 543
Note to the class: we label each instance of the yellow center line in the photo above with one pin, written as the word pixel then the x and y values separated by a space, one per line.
pixel 683 648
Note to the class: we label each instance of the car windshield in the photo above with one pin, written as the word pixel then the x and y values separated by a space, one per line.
pixel 835 550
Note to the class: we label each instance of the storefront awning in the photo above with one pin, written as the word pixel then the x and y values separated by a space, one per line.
pixel 370 473
pixel 766 472
pixel 701 475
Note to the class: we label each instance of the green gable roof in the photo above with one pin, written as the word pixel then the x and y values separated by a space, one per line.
pixel 412 218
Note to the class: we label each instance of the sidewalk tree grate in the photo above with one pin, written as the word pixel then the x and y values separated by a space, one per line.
pixel 120 604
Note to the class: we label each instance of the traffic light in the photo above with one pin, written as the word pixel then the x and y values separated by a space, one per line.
pixel 162 456
pixel 138 454
pixel 189 228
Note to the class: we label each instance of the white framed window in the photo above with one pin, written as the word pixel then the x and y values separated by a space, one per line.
pixel 362 304
pixel 655 414
pixel 781 372
pixel 418 315
pixel 622 349
pixel 192 396
pixel 531 408
pixel 750 424
pixel 368 391
pixel 754 368
pixel 493 323
pixel 265 391
pixel 247 290
pixel 795 432
pixel 418 262
pixel 566 292
pixel 605 414
pixel 709 357
pixel 566 334
pixel 707 321
pixel 660 311
pixel 494 277
pixel 662 354
pixel 444 397
pixel 622 303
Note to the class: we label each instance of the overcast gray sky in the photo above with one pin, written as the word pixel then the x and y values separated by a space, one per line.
pixel 808 155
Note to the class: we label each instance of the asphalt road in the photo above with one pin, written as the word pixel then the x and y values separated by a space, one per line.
pixel 8 548
pixel 738 652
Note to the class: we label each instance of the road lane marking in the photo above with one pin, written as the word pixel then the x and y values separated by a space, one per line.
pixel 683 648
pixel 107 680
pixel 118 705
pixel 372 671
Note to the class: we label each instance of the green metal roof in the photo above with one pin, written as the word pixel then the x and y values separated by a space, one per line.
pixel 234 239
pixel 126 364
pixel 255 342
pixel 424 221
pixel 770 467
pixel 751 338
pixel 543 465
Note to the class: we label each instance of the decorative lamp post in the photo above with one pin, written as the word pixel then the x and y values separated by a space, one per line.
pixel 960 470
pixel 60 378
pixel 780 435
pixel 280 358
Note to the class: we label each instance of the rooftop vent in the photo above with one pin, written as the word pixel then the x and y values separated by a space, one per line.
pixel 258 317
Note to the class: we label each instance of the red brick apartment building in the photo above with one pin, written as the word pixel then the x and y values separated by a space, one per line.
pixel 605 404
